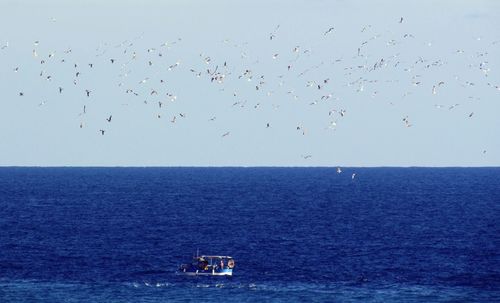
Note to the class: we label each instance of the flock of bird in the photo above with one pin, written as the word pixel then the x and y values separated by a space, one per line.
pixel 296 77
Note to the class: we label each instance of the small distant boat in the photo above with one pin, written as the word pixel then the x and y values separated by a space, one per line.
pixel 205 265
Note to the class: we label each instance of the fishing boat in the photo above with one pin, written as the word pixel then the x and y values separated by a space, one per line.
pixel 205 265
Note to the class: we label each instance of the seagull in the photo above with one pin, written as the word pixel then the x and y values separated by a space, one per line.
pixel 87 92
pixel 172 97
pixel 329 30
pixel 102 131
pixel 406 121
pixel 333 125
pixel 401 20
pixel 173 65
pixel 109 119
pixel 60 89
pixel 306 156
pixel 226 134
pixel 273 34
pixel 353 176
pixel 339 170
pixel 470 115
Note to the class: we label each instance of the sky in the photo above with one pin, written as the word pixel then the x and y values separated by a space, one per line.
pixel 250 83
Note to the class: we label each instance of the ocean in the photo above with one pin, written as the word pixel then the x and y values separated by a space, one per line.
pixel 296 234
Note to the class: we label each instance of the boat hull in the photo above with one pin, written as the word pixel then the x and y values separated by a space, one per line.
pixel 223 272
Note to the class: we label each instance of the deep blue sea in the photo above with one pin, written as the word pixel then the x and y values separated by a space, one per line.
pixel 297 234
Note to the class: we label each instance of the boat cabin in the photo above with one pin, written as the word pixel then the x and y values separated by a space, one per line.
pixel 206 265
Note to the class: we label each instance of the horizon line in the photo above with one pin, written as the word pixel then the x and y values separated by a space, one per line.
pixel 233 166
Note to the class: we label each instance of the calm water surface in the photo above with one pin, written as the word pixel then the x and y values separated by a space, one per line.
pixel 297 234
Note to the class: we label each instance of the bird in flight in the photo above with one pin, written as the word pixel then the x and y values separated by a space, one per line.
pixel 109 119
pixel 406 121
pixel 329 30
pixel 273 34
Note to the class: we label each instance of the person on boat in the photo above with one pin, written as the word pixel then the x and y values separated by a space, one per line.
pixel 202 263
pixel 221 263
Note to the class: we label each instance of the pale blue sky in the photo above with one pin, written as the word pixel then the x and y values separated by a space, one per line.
pixel 456 42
